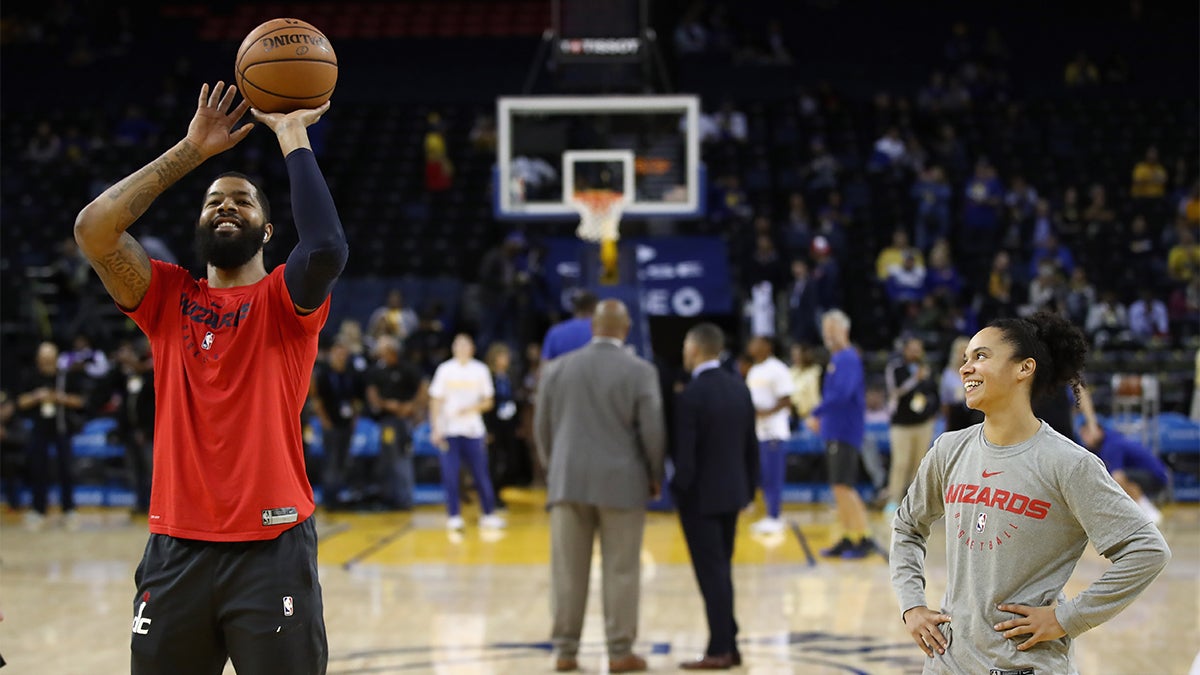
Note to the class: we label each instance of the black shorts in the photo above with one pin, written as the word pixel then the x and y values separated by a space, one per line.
pixel 841 463
pixel 200 603
pixel 1147 481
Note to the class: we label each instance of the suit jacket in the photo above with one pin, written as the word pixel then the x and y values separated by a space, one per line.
pixel 599 426
pixel 715 449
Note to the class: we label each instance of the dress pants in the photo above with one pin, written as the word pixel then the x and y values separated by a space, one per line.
pixel 573 528
pixel 710 544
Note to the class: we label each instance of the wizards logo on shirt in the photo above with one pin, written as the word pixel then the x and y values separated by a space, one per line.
pixel 211 320
pixel 980 536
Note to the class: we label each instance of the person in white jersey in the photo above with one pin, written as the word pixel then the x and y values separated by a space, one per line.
pixel 1021 502
pixel 770 384
pixel 461 391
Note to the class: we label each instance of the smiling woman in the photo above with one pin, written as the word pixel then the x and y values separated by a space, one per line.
pixel 1021 502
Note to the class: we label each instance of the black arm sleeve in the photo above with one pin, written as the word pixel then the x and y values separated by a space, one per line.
pixel 314 265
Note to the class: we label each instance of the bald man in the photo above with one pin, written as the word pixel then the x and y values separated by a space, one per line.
pixel 599 428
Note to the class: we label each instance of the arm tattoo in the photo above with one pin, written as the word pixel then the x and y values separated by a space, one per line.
pixel 125 272
pixel 167 169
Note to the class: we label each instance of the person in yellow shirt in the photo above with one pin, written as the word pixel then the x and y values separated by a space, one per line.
pixel 1183 260
pixel 894 254
pixel 806 380
pixel 1149 177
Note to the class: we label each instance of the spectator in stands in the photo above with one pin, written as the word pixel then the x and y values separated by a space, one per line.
pixel 983 199
pixel 955 413
pixel 942 278
pixel 1043 222
pixel 1183 308
pixel 1100 221
pixel 906 284
pixel 1108 322
pixel 52 399
pixel 1135 467
pixel 730 201
pixel 691 36
pixel 777 51
pixel 805 370
pixel 439 170
pixel 826 276
pixel 14 435
pixel 573 333
pixel 839 420
pixel 337 394
pixel 949 152
pixel 912 401
pixel 895 253
pixel 498 286
pixel 506 460
pixel 45 145
pixel 798 226
pixel 932 195
pixel 770 385
pixel 931 96
pixel 1149 177
pixel 1021 199
pixel 802 306
pixel 133 384
pixel 1055 253
pixel 1046 291
pixel 1143 260
pixel 1069 218
pixel 730 123
pixel 1148 317
pixel 1189 206
pixel 1079 298
pixel 135 129
pixel 1081 72
pixel 998 290
pixel 392 318
pixel 765 265
pixel 483 134
pixel 1183 259
pixel 395 396
pixel 350 334
pixel 821 174
pixel 888 153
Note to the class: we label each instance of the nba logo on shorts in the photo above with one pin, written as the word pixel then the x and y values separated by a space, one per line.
pixel 980 522
pixel 288 610
pixel 208 339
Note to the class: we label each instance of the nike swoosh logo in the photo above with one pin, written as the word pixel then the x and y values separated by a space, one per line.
pixel 993 473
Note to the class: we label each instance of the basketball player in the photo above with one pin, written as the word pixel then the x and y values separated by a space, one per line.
pixel 1021 503
pixel 230 570
pixel 770 384
pixel 840 420
pixel 460 392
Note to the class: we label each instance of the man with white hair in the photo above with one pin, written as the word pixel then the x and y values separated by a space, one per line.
pixel 839 421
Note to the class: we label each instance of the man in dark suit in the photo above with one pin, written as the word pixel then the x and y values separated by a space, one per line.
pixel 715 453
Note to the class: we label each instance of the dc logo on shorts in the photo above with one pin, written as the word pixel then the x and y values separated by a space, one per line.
pixel 980 522
pixel 208 340
pixel 288 608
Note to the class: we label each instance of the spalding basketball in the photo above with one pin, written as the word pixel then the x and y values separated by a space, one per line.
pixel 285 65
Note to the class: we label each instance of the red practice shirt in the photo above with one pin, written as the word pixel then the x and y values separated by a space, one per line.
pixel 231 374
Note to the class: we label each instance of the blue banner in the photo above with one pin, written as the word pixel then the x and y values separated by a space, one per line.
pixel 679 276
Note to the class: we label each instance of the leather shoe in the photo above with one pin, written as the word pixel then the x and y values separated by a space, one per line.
pixel 737 659
pixel 630 663
pixel 710 662
pixel 565 664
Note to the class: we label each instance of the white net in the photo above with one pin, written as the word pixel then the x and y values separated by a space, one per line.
pixel 599 214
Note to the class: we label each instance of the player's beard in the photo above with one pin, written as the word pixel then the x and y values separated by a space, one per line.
pixel 228 251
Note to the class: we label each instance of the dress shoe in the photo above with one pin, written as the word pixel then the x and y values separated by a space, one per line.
pixel 630 663
pixel 737 659
pixel 710 662
pixel 565 664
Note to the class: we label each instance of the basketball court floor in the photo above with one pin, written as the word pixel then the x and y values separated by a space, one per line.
pixel 402 595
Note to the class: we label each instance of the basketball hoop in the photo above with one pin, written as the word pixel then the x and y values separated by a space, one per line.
pixel 599 214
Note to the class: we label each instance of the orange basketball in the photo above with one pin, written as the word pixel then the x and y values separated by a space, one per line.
pixel 285 65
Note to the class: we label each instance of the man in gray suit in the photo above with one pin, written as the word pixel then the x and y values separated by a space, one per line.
pixel 600 432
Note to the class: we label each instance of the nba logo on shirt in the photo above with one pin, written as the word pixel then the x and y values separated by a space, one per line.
pixel 208 339
pixel 980 522
pixel 288 609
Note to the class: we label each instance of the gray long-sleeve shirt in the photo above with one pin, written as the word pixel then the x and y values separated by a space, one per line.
pixel 1017 520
